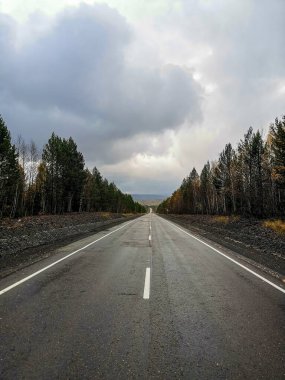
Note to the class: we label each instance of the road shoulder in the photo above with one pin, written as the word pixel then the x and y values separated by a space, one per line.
pixel 267 262
pixel 26 257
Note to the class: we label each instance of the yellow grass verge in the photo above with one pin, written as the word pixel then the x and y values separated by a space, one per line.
pixel 105 214
pixel 225 219
pixel 276 225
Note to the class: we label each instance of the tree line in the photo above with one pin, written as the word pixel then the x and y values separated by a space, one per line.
pixel 53 181
pixel 248 180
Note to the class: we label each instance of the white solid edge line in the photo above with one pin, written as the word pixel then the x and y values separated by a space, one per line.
pixel 146 284
pixel 58 261
pixel 229 258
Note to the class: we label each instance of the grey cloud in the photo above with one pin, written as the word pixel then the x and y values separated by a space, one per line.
pixel 75 77
pixel 246 37
pixel 247 62
pixel 59 68
pixel 145 143
pixel 133 185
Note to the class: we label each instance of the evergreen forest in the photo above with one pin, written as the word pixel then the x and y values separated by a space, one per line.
pixel 248 180
pixel 53 181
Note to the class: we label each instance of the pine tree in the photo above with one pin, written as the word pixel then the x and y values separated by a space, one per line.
pixel 277 131
pixel 10 176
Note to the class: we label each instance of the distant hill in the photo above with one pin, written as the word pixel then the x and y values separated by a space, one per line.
pixel 149 197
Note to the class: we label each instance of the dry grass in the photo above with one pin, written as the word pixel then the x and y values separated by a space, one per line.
pixel 104 214
pixel 225 219
pixel 276 225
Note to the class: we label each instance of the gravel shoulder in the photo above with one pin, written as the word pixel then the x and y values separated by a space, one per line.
pixel 27 240
pixel 246 237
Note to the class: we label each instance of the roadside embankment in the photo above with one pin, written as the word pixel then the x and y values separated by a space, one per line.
pixel 252 238
pixel 19 234
pixel 25 239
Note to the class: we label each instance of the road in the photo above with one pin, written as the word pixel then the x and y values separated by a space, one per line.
pixel 143 300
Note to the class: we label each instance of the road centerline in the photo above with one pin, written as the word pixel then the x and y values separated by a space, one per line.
pixel 149 235
pixel 146 284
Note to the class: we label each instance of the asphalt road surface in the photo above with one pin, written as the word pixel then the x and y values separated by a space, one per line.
pixel 143 300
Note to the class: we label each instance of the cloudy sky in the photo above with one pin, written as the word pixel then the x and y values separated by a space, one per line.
pixel 147 88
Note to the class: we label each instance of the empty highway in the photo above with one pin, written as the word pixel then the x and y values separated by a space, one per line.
pixel 141 300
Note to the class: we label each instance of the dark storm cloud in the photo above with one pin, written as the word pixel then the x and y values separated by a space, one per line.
pixel 74 79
